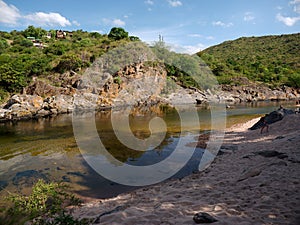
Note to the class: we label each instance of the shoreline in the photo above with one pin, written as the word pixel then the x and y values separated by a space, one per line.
pixel 246 184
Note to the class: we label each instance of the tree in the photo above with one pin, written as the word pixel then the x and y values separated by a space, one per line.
pixel 3 44
pixel 117 33
pixel 68 62
pixel 31 31
pixel 134 38
pixel 11 79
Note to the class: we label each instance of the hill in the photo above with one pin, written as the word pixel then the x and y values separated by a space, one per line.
pixel 271 59
pixel 37 53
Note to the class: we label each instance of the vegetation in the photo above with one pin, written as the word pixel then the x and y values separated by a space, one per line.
pixel 271 59
pixel 20 60
pixel 45 203
pixel 184 69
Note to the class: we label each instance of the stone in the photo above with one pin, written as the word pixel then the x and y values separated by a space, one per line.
pixel 43 113
pixel 271 153
pixel 4 113
pixel 250 173
pixel 203 217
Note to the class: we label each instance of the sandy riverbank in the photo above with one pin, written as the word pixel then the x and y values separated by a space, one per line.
pixel 242 186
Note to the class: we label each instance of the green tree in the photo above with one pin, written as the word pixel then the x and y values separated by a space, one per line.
pixel 134 38
pixel 68 62
pixel 11 79
pixel 117 33
pixel 294 80
pixel 36 32
pixel 3 44
pixel 58 48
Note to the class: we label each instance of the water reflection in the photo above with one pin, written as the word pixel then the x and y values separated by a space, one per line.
pixel 48 146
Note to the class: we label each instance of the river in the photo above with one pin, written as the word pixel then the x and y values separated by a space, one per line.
pixel 46 148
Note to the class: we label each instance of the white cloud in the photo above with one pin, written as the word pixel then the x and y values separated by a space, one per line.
pixel 188 49
pixel 98 31
pixel 210 38
pixel 149 2
pixel 74 22
pixel 9 14
pixel 118 22
pixel 195 35
pixel 48 19
pixel 249 16
pixel 201 36
pixel 114 22
pixel 296 4
pixel 222 24
pixel 174 3
pixel 288 21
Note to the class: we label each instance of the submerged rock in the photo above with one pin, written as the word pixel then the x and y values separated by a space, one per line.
pixel 3 184
pixel 28 178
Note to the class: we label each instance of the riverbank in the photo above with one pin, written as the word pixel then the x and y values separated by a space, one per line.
pixel 141 86
pixel 255 180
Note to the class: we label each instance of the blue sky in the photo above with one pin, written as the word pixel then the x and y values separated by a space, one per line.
pixel 186 25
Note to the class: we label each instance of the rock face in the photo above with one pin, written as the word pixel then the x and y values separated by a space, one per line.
pixel 133 85
pixel 32 106
pixel 249 91
pixel 136 84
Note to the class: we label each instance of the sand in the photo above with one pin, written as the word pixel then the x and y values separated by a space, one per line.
pixel 240 187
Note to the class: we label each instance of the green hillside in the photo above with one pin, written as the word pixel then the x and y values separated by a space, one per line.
pixel 271 59
pixel 35 52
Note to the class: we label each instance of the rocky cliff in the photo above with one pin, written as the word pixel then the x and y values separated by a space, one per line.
pixel 136 84
pixel 133 85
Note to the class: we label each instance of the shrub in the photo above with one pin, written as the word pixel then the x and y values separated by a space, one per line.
pixel 46 199
pixel 68 62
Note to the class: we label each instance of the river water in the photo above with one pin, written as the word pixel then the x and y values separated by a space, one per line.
pixel 47 149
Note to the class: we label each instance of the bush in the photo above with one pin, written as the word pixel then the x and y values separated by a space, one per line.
pixel 11 79
pixel 294 80
pixel 46 199
pixel 68 62
pixel 3 96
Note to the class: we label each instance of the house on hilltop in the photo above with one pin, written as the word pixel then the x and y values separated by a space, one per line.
pixel 36 42
pixel 61 34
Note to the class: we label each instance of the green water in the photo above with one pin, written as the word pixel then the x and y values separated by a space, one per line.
pixel 48 147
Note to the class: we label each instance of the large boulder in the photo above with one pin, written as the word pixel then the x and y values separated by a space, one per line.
pixel 272 117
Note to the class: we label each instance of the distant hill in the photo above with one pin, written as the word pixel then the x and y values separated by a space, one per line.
pixel 271 59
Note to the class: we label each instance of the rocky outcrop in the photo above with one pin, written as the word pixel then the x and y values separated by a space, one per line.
pixel 248 91
pixel 136 84
pixel 133 85
pixel 272 117
pixel 33 106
